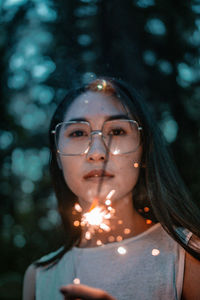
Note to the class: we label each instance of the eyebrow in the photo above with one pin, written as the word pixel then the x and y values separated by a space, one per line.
pixel 108 118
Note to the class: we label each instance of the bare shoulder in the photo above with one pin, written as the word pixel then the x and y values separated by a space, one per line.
pixel 191 282
pixel 29 283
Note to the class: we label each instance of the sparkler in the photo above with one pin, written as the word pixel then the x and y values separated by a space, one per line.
pixel 98 217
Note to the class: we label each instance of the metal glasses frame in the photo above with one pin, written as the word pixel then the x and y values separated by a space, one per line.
pixel 93 132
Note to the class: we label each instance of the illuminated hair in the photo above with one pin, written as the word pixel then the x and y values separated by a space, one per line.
pixel 159 186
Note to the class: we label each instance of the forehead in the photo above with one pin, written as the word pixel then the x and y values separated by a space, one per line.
pixel 95 105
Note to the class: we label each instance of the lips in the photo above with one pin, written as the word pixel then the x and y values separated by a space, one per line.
pixel 98 173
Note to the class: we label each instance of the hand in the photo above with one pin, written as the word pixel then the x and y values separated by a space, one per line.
pixel 84 292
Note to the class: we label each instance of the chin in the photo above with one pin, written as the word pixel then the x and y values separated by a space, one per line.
pixel 93 195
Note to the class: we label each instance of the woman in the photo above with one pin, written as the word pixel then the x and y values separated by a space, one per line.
pixel 108 157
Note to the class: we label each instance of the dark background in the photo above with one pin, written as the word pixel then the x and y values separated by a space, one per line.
pixel 48 46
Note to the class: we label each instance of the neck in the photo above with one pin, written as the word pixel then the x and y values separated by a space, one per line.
pixel 126 222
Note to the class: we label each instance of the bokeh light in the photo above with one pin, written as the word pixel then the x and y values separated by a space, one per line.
pixel 144 3
pixel 155 252
pixel 155 26
pixel 121 250
pixel 169 127
pixel 44 54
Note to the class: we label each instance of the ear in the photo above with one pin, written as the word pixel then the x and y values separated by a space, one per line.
pixel 59 161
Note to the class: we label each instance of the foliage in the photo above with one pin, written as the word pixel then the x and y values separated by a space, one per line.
pixel 49 46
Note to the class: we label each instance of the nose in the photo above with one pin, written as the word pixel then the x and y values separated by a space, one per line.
pixel 97 149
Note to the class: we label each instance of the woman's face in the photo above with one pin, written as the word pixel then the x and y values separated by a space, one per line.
pixel 96 108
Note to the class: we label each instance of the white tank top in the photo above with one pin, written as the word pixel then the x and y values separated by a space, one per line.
pixel 150 267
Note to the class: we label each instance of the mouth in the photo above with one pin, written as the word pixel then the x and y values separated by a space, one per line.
pixel 94 174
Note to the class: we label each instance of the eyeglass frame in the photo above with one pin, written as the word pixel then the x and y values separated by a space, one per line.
pixel 93 132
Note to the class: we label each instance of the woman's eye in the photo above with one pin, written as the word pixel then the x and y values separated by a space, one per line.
pixel 77 133
pixel 117 132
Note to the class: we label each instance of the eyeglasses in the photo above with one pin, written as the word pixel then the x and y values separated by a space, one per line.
pixel 119 136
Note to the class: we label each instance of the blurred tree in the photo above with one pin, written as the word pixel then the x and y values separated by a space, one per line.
pixel 49 46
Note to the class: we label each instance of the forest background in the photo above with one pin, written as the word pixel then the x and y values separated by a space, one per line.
pixel 49 46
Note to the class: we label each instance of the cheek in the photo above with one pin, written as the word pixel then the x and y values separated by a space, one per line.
pixel 70 169
pixel 128 171
pixel 122 166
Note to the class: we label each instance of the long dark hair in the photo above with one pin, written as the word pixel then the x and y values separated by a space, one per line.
pixel 159 186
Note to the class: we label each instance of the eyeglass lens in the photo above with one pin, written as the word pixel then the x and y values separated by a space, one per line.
pixel 122 136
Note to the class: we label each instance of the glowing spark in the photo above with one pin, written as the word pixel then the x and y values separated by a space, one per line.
pixel 108 216
pixel 100 86
pixel 146 209
pixel 108 202
pixel 78 207
pixel 127 230
pixel 94 216
pixel 148 221
pixel 121 250
pixel 88 235
pixel 110 194
pixel 105 227
pixel 76 281
pixel 99 242
pixel 97 218
pixel 120 222
pixel 136 165
pixel 76 223
pixel 94 204
pixel 155 252
pixel 111 238
pixel 119 238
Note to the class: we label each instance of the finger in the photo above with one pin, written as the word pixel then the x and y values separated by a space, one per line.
pixel 84 292
pixel 68 297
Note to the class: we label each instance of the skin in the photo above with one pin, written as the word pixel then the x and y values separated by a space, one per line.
pixel 96 108
pixel 84 292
